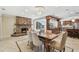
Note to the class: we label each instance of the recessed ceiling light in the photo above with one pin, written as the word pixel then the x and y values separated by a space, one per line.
pixel 26 10
pixel 67 9
pixel 76 12
pixel 3 9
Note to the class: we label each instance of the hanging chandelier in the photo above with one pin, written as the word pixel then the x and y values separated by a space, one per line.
pixel 40 9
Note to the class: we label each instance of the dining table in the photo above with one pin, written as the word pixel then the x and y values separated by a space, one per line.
pixel 47 38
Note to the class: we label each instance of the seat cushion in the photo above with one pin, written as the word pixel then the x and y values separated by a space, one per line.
pixel 57 45
pixel 57 42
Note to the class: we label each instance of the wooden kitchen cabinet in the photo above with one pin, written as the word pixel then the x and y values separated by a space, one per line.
pixel 55 29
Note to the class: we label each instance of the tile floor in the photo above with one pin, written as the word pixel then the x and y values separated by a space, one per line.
pixel 9 44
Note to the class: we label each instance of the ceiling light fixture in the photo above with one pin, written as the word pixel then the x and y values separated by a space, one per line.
pixel 40 9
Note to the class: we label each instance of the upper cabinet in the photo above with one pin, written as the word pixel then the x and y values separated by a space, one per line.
pixel 53 23
pixel 23 20
pixel 67 23
pixel 71 24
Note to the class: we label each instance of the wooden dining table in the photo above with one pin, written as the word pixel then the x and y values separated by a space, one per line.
pixel 47 38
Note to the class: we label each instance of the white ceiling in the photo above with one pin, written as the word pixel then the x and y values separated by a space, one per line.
pixel 30 11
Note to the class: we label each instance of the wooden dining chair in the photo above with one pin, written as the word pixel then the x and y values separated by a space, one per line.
pixel 59 42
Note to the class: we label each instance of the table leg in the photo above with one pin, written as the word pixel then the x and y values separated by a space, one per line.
pixel 47 47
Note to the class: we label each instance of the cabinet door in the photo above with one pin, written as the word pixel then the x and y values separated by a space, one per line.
pixel 17 20
pixel 23 20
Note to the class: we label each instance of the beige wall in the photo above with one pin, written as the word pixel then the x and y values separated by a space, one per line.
pixel 8 22
pixel 0 26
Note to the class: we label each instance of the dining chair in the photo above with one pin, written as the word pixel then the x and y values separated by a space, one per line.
pixel 36 42
pixel 59 42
